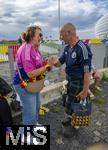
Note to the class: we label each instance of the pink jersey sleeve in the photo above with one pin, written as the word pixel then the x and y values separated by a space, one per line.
pixel 31 58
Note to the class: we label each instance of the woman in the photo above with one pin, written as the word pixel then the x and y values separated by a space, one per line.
pixel 30 63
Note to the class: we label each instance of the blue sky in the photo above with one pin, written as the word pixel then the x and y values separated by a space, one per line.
pixel 16 15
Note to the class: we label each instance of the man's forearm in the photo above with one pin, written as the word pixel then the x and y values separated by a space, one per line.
pixel 58 64
pixel 87 77
pixel 54 60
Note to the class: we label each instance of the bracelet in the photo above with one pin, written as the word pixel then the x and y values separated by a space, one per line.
pixel 47 67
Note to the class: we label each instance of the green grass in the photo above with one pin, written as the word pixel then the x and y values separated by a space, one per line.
pixel 44 54
pixel 56 109
pixel 8 42
pixel 101 109
pixel 105 76
pixel 95 91
pixel 51 44
pixel 101 102
pixel 101 105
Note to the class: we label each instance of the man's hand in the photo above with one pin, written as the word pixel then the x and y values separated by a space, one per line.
pixel 82 95
pixel 53 60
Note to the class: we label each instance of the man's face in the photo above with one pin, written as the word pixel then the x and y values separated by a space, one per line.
pixel 64 36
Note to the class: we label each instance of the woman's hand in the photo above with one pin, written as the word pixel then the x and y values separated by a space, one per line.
pixel 53 60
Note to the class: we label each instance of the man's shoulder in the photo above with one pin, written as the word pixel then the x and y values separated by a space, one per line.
pixel 84 48
pixel 81 44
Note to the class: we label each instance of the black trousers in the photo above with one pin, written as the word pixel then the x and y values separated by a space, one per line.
pixel 73 89
pixel 5 112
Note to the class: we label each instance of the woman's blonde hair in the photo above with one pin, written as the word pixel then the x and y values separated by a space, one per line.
pixel 30 32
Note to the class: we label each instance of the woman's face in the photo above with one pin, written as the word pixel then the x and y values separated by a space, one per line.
pixel 38 37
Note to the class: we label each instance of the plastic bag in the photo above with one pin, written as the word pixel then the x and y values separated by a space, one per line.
pixel 81 113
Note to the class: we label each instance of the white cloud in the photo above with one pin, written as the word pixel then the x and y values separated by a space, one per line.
pixel 88 7
pixel 38 23
pixel 75 7
pixel 17 14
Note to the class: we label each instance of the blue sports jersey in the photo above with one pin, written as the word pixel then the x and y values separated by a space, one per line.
pixel 77 59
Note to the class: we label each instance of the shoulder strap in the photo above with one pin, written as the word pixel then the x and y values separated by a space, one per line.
pixel 18 71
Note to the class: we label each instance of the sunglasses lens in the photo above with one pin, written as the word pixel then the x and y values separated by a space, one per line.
pixel 40 34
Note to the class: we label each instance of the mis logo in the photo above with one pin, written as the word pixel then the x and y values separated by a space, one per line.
pixel 13 135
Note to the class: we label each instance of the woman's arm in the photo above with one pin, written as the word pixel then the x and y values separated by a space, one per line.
pixel 36 72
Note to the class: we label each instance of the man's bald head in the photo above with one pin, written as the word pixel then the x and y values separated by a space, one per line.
pixel 68 34
pixel 69 27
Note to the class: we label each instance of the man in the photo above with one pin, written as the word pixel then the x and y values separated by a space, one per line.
pixel 77 57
